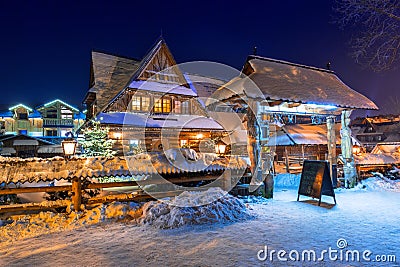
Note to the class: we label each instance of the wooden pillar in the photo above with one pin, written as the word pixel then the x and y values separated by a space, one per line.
pixel 227 180
pixel 349 169
pixel 76 193
pixel 254 144
pixel 331 136
pixel 286 160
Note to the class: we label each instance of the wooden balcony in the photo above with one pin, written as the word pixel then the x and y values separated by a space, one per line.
pixel 58 122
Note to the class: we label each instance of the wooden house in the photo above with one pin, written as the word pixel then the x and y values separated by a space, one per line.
pixel 50 121
pixel 277 92
pixel 147 102
pixel 371 131
pixel 58 118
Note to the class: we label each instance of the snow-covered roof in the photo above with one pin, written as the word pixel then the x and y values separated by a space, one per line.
pixel 303 134
pixel 169 88
pixel 6 114
pixel 35 115
pixel 286 81
pixel 377 159
pixel 21 106
pixel 25 143
pixel 7 151
pixel 14 170
pixel 159 121
pixel 382 148
pixel 79 116
pixel 202 85
pixel 110 74
pixel 51 103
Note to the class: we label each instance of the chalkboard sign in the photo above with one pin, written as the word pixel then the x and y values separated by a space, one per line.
pixel 316 180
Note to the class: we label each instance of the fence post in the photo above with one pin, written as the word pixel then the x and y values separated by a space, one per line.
pixel 76 193
pixel 227 180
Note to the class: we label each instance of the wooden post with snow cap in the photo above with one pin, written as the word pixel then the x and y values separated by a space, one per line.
pixel 331 136
pixel 76 193
pixel 349 169
pixel 227 180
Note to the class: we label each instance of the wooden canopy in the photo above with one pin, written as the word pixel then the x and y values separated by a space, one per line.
pixel 280 80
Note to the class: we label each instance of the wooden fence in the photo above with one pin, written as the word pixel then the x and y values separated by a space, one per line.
pixel 219 174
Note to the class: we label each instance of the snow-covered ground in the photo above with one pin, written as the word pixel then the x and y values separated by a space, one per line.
pixel 367 218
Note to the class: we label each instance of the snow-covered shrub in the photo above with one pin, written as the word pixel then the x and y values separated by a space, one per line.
pixel 225 209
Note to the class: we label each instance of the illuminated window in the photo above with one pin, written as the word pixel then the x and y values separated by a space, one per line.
pixel 163 105
pixel 140 103
pixel 177 106
pixel 185 107
pixel 136 103
pixel 184 142
pixel 145 103
pixel 66 114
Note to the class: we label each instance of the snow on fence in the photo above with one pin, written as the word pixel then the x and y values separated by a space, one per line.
pixel 81 170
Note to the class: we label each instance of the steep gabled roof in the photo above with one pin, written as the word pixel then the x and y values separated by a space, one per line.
pixel 110 75
pixel 51 103
pixel 286 81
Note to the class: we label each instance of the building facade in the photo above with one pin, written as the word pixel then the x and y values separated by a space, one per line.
pixel 50 121
pixel 147 102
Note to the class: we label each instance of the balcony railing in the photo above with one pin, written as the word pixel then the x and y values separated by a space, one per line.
pixel 58 122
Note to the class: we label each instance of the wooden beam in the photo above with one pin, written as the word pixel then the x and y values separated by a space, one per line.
pixel 45 205
pixel 46 189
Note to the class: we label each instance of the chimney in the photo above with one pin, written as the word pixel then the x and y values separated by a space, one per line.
pixel 328 66
pixel 255 50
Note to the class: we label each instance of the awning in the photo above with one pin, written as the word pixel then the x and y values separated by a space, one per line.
pixel 25 143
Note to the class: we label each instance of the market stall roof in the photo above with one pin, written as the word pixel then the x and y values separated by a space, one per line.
pixel 14 170
pixel 382 148
pixel 377 159
pixel 281 80
pixel 159 121
pixel 25 143
pixel 303 134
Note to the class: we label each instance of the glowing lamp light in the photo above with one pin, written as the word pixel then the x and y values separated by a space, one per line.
pixel 69 145
pixel 356 149
pixel 118 135
pixel 220 147
pixel 199 136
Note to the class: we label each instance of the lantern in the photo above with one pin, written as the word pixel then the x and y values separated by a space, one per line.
pixel 69 145
pixel 220 147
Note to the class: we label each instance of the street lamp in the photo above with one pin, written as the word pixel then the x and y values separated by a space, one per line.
pixel 356 149
pixel 69 145
pixel 220 147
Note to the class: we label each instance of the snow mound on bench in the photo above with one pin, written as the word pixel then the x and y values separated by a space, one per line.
pixel 186 210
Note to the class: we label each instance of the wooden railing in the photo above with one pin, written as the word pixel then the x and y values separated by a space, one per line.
pixel 58 122
pixel 225 179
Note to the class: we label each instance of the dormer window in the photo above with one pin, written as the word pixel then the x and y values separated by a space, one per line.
pixel 140 103
pixel 163 105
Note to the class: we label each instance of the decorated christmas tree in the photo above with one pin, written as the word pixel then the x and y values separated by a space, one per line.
pixel 96 142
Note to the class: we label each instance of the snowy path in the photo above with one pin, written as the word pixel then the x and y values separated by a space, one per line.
pixel 366 219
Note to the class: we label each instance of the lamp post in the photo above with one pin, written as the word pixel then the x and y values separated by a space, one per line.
pixel 220 148
pixel 69 149
pixel 69 145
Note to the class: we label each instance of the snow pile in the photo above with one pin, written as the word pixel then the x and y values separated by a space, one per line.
pixel 185 210
pixel 254 199
pixel 26 226
pixel 287 180
pixel 381 183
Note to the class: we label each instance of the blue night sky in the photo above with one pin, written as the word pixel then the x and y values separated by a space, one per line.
pixel 45 45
